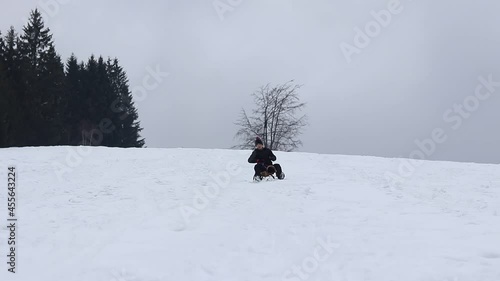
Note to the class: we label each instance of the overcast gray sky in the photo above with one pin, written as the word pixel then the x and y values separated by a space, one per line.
pixel 394 91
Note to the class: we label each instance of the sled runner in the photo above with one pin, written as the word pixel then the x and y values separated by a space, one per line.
pixel 269 173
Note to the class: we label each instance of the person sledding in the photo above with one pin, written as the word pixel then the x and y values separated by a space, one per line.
pixel 264 167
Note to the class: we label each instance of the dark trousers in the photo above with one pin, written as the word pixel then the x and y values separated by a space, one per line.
pixel 258 168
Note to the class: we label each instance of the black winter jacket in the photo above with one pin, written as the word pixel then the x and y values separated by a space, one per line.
pixel 264 155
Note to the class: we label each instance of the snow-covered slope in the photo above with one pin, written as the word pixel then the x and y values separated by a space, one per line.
pixel 191 214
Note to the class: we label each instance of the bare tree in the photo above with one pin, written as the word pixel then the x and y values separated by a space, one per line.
pixel 274 119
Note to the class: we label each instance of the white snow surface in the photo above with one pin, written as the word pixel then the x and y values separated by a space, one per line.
pixel 103 214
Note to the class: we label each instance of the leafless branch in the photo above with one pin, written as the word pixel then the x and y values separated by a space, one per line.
pixel 274 118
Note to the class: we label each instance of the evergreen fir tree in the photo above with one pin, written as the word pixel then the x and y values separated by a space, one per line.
pixel 128 126
pixel 89 95
pixel 3 96
pixel 44 98
pixel 74 109
pixel 13 127
pixel 105 98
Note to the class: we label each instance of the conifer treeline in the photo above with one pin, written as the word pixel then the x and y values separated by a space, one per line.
pixel 44 102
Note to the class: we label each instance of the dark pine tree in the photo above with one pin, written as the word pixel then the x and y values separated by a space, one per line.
pixel 11 111
pixel 4 96
pixel 89 120
pixel 105 97
pixel 75 112
pixel 128 127
pixel 44 88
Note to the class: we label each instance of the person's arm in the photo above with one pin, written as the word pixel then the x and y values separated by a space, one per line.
pixel 252 158
pixel 272 156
